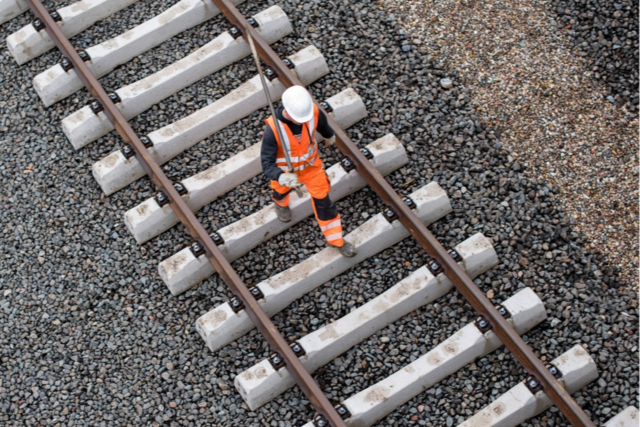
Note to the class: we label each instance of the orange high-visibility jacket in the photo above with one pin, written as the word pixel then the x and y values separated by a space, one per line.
pixel 303 153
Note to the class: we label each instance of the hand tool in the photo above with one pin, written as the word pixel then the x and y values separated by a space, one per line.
pixel 273 111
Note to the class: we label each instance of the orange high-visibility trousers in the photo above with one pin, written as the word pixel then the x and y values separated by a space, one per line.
pixel 326 212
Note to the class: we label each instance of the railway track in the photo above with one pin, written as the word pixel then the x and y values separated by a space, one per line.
pixel 212 251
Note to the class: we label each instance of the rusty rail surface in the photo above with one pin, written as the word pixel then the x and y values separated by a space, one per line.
pixel 523 353
pixel 264 324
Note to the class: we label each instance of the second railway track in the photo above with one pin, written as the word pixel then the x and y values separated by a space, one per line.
pixel 375 233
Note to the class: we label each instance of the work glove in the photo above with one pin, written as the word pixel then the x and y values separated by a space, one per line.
pixel 289 180
pixel 330 141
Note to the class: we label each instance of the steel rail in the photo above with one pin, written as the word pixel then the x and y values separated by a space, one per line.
pixel 480 303
pixel 262 321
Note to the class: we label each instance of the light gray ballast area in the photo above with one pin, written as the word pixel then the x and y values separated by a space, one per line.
pixel 9 9
pixel 221 325
pixel 261 383
pixel 83 126
pixel 149 219
pixel 462 348
pixel 55 83
pixel 519 404
pixel 627 418
pixel 183 270
pixel 28 43
pixel 116 171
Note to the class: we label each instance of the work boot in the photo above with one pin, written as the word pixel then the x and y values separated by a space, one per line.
pixel 283 212
pixel 348 250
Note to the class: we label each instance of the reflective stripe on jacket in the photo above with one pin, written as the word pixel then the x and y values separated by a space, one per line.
pixel 303 153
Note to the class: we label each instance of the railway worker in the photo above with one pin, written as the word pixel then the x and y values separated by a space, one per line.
pixel 299 119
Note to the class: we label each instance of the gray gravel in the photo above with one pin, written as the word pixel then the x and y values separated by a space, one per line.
pixel 89 335
pixel 607 33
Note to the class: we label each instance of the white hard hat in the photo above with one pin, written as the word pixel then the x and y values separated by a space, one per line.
pixel 297 102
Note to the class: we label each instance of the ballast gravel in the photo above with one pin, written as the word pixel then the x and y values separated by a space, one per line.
pixel 90 336
pixel 607 33
pixel 553 114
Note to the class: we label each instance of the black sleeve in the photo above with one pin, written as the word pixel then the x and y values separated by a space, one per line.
pixel 323 126
pixel 269 154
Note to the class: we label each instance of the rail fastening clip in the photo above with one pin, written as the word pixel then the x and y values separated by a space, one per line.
pixel 276 360
pixel 389 214
pixel 236 304
pixel 127 150
pixel 482 324
pixel 347 164
pixel 217 239
pixel 368 154
pixel 533 384
pixel 197 249
pixel 66 64
pixel 146 141
pixel 320 421
pixel 38 25
pixel 297 349
pixel 235 32
pixel 161 198
pixel 55 15
pixel 96 106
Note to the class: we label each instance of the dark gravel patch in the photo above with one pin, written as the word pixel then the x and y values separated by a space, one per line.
pixel 89 335
pixel 606 32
